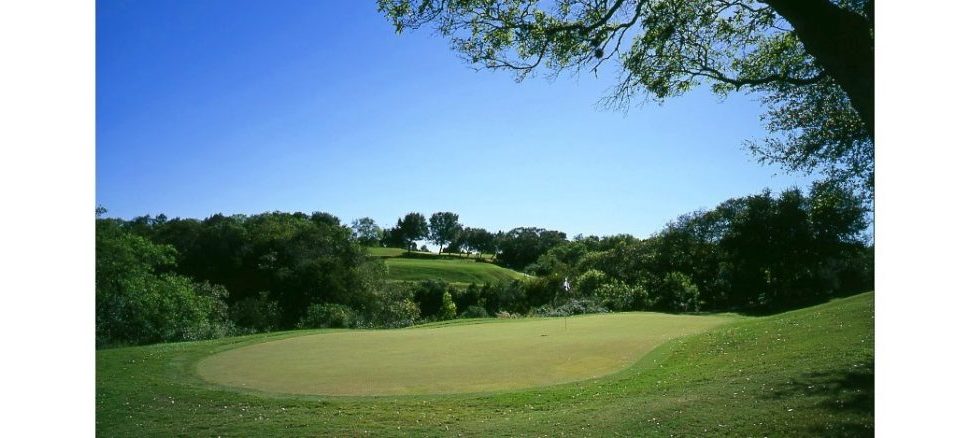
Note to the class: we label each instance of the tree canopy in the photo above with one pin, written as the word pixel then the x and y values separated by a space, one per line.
pixel 366 231
pixel 811 61
pixel 444 228
pixel 412 227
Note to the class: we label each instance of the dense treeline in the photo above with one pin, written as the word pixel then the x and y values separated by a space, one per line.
pixel 161 279
pixel 268 271
pixel 753 253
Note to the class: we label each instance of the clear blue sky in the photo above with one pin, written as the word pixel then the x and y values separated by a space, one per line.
pixel 246 107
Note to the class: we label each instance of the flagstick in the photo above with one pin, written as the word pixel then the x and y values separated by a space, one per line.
pixel 565 286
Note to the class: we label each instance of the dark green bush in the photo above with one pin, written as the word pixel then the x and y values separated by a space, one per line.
pixel 256 314
pixel 571 307
pixel 137 301
pixel 620 297
pixel 328 315
pixel 474 312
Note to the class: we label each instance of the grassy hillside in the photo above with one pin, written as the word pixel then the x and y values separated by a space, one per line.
pixel 806 372
pixel 386 252
pixel 451 271
pixel 419 266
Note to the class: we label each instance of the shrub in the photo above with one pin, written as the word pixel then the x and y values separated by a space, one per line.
pixel 448 308
pixel 572 307
pixel 467 297
pixel 328 315
pixel 618 296
pixel 137 299
pixel 679 293
pixel 587 283
pixel 393 307
pixel 428 296
pixel 256 314
pixel 509 296
pixel 474 312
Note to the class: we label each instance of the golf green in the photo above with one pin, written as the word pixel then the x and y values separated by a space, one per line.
pixel 461 358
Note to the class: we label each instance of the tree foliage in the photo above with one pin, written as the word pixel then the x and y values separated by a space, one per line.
pixel 161 279
pixel 412 227
pixel 520 247
pixel 444 228
pixel 812 61
pixel 366 231
pixel 139 300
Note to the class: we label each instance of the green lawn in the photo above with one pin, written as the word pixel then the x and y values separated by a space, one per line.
pixel 386 252
pixel 449 270
pixel 398 252
pixel 802 373
pixel 450 359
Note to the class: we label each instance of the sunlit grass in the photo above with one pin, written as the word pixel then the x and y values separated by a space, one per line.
pixel 492 356
pixel 803 373
pixel 448 270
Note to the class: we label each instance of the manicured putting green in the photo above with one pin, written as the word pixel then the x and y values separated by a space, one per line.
pixel 485 357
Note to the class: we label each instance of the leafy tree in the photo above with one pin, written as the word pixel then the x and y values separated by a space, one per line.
pixel 479 240
pixel 413 227
pixel 444 228
pixel 677 292
pixel 522 246
pixel 366 231
pixel 586 284
pixel 459 245
pixel 297 259
pixel 812 61
pixel 394 238
pixel 320 218
pixel 138 300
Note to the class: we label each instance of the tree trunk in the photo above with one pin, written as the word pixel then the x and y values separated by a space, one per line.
pixel 842 42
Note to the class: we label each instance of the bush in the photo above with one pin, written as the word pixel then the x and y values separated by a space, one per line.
pixel 572 307
pixel 509 296
pixel 679 293
pixel 256 314
pixel 328 315
pixel 394 307
pixel 428 296
pixel 474 312
pixel 138 302
pixel 619 297
pixel 448 308
pixel 162 308
pixel 587 283
pixel 467 297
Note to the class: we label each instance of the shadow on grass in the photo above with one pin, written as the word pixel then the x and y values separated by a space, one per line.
pixel 795 305
pixel 845 396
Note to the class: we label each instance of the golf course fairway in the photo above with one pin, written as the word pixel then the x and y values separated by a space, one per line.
pixel 478 356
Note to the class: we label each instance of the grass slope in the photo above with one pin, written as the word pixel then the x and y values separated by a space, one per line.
pixel 451 268
pixel 377 251
pixel 451 271
pixel 451 359
pixel 807 372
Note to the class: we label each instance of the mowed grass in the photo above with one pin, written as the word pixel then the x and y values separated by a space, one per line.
pixel 377 251
pixel 486 357
pixel 803 373
pixel 448 270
